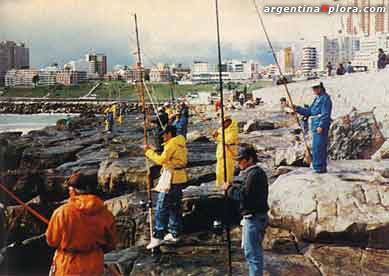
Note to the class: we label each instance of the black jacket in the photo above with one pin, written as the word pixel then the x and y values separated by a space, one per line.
pixel 251 190
pixel 163 118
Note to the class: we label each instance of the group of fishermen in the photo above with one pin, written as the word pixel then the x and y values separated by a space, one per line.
pixel 83 229
pixel 112 113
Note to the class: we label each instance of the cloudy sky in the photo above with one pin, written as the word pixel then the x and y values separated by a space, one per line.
pixel 173 31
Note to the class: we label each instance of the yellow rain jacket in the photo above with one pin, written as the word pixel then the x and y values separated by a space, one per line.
pixel 169 112
pixel 81 230
pixel 114 110
pixel 231 140
pixel 173 158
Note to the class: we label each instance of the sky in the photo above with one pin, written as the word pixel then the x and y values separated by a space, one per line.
pixel 171 31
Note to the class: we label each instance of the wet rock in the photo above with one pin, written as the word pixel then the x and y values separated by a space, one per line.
pixel 44 158
pixel 344 260
pixel 196 137
pixel 118 176
pixel 354 137
pixel 347 204
pixel 254 125
pixel 10 154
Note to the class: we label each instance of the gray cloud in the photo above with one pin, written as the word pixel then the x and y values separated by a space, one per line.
pixel 171 30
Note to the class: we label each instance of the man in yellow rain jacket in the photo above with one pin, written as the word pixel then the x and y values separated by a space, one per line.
pixel 169 110
pixel 82 230
pixel 168 213
pixel 231 141
pixel 109 119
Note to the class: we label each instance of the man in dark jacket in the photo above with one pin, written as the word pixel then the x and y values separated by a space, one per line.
pixel 381 63
pixel 252 194
pixel 161 121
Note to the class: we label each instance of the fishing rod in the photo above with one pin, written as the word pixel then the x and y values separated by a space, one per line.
pixel 223 135
pixel 309 155
pixel 142 97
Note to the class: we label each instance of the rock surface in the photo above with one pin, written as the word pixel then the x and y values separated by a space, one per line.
pixel 348 204
pixel 355 136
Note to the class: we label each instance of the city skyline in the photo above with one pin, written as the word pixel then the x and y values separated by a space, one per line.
pixel 170 31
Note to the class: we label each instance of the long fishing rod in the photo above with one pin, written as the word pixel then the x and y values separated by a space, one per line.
pixel 142 96
pixel 309 155
pixel 223 134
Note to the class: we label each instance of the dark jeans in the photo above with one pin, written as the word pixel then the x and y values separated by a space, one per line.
pixel 168 213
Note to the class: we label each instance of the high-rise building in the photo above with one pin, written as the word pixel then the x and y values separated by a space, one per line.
pixel 13 56
pixel 309 61
pixel 286 60
pixel 97 65
pixel 366 23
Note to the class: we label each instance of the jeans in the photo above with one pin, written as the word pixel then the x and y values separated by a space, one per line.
pixel 168 213
pixel 319 150
pixel 253 234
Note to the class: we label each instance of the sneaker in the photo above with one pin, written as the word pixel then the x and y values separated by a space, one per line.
pixel 154 242
pixel 169 238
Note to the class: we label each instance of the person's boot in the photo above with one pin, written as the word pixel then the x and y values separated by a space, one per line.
pixel 154 242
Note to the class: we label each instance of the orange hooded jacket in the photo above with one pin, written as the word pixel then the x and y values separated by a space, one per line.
pixel 81 230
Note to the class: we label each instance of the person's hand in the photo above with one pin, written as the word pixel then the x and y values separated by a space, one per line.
pixel 215 134
pixel 319 130
pixel 146 147
pixel 225 186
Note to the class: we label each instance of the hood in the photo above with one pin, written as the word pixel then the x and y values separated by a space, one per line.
pixel 179 140
pixel 233 125
pixel 87 204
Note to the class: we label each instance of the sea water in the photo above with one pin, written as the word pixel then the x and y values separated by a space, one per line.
pixel 25 123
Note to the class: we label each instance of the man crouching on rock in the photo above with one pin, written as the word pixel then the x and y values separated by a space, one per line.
pixel 168 213
pixel 82 230
pixel 251 192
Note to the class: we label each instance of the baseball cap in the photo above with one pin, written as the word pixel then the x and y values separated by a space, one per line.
pixel 246 153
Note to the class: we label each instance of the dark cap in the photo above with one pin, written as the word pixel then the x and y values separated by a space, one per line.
pixel 171 129
pixel 83 182
pixel 246 153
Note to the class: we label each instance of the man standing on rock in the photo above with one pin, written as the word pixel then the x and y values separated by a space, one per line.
pixel 231 147
pixel 82 230
pixel 320 113
pixel 251 192
pixel 168 213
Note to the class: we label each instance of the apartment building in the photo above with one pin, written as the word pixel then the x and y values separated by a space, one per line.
pixel 13 56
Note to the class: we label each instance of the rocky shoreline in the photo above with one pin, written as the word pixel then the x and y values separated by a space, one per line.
pixel 332 224
pixel 76 106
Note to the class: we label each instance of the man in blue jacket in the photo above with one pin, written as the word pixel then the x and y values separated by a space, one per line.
pixel 320 113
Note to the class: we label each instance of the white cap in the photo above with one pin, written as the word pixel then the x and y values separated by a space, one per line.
pixel 166 104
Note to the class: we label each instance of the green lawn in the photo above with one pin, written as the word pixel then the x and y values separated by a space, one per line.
pixel 118 90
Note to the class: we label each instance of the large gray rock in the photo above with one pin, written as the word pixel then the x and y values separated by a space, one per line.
pixel 349 203
pixel 291 156
pixel 354 137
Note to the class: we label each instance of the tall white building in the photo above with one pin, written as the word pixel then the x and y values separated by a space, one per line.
pixel 78 65
pixel 309 61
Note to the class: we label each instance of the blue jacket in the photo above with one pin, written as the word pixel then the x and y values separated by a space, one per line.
pixel 320 110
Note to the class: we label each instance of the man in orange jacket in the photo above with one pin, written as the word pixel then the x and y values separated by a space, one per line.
pixel 82 230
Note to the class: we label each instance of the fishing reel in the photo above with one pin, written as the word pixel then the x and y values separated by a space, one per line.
pixel 145 205
pixel 217 227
